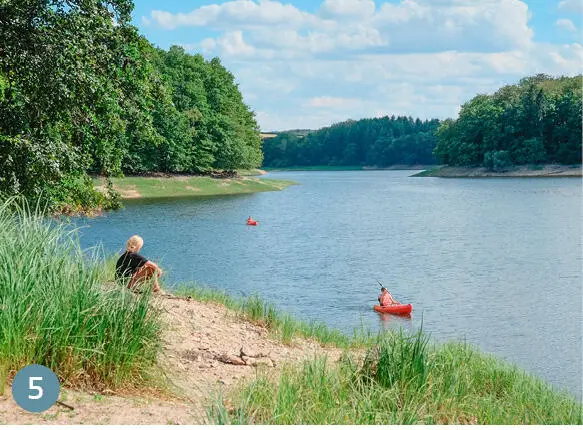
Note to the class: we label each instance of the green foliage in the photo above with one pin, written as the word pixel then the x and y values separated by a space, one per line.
pixel 398 359
pixel 376 142
pixel 74 194
pixel 536 121
pixel 82 92
pixel 56 310
pixel 403 380
pixel 497 161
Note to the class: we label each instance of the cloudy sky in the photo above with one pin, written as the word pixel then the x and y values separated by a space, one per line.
pixel 310 63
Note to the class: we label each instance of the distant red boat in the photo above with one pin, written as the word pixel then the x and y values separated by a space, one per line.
pixel 251 222
pixel 394 309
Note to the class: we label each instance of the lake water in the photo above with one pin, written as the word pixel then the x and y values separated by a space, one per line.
pixel 495 262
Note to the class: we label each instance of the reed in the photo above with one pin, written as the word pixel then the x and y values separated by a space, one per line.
pixel 402 380
pixel 55 310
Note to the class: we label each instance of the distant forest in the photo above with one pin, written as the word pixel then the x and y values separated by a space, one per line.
pixel 369 142
pixel 536 121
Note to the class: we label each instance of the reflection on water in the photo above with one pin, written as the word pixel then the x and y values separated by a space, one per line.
pixel 495 262
pixel 389 322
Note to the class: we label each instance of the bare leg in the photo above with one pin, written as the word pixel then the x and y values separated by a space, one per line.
pixel 144 273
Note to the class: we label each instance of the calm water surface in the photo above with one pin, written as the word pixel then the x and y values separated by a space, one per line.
pixel 495 262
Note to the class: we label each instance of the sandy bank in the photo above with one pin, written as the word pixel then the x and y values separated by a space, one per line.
pixel 198 339
pixel 549 170
pixel 168 186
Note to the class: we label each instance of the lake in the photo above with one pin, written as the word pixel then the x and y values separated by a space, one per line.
pixel 496 262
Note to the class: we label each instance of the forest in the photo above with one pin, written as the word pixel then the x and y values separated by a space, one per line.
pixel 534 122
pixel 82 93
pixel 378 142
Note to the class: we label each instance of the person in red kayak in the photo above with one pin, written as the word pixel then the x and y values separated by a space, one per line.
pixel 134 269
pixel 385 298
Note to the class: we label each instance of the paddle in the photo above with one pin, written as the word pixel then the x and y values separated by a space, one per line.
pixel 394 300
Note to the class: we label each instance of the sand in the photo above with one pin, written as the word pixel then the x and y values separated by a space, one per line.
pixel 197 337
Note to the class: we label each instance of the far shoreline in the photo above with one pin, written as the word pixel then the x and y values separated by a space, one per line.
pixel 529 171
pixel 324 168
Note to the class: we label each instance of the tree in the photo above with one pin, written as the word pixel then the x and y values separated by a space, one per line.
pixel 374 142
pixel 536 121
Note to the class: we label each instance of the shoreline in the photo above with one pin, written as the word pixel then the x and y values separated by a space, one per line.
pixel 542 171
pixel 347 168
pixel 212 344
pixel 169 186
pixel 208 346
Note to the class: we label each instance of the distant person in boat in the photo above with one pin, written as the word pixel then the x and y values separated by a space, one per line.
pixel 134 269
pixel 251 221
pixel 385 298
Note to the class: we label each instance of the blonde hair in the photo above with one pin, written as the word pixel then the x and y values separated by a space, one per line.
pixel 134 243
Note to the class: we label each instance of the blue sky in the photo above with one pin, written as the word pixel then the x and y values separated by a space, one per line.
pixel 310 63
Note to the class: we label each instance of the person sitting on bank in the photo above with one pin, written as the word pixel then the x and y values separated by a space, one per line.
pixel 385 298
pixel 134 267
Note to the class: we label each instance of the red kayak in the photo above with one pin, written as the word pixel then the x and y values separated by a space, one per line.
pixel 252 222
pixel 394 309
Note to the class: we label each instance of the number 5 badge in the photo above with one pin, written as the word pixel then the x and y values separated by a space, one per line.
pixel 35 388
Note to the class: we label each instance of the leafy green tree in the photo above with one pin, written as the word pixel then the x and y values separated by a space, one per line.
pixel 81 92
pixel 536 121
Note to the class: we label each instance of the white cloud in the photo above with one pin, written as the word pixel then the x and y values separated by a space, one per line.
pixel 351 59
pixel 487 25
pixel 332 102
pixel 571 6
pixel 566 24
pixel 352 25
pixel 241 13
pixel 233 45
pixel 346 9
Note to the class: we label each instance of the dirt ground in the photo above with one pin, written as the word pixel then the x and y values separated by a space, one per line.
pixel 199 339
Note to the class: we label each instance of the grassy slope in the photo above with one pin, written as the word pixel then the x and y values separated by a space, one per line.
pixel 402 380
pixel 183 186
pixel 281 325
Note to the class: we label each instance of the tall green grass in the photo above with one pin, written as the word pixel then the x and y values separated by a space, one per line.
pixel 280 324
pixel 402 380
pixel 55 310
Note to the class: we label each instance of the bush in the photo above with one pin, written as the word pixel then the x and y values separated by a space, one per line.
pixel 497 161
pixel 77 194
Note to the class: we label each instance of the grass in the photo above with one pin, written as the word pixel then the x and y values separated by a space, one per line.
pixel 281 325
pixel 401 380
pixel 189 186
pixel 56 312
